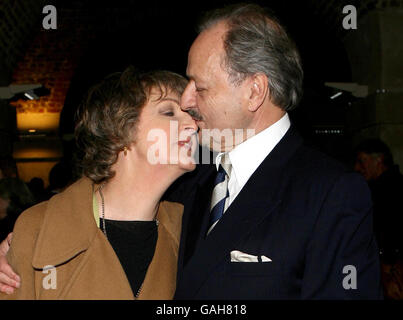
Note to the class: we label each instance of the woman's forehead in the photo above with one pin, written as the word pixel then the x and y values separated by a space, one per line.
pixel 158 93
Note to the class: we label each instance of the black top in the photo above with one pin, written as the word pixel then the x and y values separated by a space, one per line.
pixel 134 243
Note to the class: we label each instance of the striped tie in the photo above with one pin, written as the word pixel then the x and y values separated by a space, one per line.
pixel 220 192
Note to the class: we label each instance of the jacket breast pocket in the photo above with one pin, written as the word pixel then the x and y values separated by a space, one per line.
pixel 252 269
pixel 252 280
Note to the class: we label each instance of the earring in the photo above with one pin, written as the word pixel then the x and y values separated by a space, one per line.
pixel 125 151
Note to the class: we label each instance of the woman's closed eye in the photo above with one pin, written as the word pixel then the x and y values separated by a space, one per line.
pixel 168 113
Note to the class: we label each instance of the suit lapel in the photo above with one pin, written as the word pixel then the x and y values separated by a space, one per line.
pixel 195 213
pixel 250 207
pixel 258 199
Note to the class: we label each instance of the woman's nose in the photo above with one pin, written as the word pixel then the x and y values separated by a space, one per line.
pixel 189 124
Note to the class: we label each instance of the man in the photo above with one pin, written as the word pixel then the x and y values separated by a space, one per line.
pixel 374 161
pixel 295 222
pixel 272 219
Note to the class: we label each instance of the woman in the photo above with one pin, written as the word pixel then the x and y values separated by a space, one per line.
pixel 108 236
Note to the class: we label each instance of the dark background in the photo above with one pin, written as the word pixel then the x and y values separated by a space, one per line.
pixel 95 38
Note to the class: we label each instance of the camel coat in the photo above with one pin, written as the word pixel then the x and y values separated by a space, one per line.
pixel 63 233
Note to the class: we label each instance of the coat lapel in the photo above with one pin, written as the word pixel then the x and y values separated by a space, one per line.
pixel 68 230
pixel 159 282
pixel 258 199
pixel 68 227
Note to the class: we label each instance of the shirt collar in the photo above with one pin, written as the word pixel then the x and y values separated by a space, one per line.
pixel 247 156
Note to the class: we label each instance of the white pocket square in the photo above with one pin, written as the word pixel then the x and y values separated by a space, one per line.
pixel 239 256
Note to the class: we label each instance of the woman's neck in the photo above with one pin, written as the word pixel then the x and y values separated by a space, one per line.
pixel 134 193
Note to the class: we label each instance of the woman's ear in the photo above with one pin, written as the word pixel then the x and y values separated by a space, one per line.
pixel 259 89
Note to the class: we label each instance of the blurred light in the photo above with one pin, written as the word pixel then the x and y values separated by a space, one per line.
pixel 28 96
pixel 329 131
pixel 46 121
pixel 336 95
pixel 32 130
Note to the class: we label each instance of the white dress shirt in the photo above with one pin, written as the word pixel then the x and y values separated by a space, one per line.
pixel 248 156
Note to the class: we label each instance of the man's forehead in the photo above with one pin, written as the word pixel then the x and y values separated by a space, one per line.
pixel 206 49
pixel 211 38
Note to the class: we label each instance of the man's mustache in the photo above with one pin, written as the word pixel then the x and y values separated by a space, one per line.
pixel 195 115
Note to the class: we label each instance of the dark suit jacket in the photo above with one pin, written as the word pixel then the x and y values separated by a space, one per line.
pixel 301 209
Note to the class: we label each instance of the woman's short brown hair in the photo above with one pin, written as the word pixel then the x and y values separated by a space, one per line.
pixel 110 111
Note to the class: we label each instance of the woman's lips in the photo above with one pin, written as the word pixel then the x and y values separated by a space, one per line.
pixel 186 143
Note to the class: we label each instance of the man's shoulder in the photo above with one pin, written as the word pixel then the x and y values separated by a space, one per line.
pixel 303 157
pixel 313 161
pixel 314 171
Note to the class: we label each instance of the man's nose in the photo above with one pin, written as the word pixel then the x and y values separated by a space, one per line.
pixel 188 99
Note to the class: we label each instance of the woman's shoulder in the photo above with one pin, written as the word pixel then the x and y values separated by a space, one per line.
pixel 35 215
pixel 31 219
pixel 26 230
pixel 65 215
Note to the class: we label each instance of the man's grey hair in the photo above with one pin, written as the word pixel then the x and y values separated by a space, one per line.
pixel 256 42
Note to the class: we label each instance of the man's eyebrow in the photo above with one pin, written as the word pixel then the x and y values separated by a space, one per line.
pixel 191 77
pixel 196 79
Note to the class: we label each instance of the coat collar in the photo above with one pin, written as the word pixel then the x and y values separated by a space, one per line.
pixel 68 226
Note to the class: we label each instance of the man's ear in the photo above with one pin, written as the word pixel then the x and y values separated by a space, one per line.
pixel 259 90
